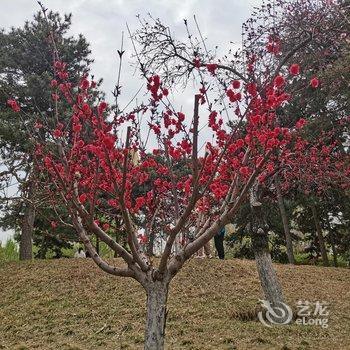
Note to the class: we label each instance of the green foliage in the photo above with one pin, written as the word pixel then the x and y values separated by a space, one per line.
pixel 51 240
pixel 9 251
pixel 26 69
pixel 240 241
pixel 26 60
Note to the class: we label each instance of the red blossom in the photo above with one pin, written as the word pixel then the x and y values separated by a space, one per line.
pixel 77 127
pixel 240 143
pixel 55 97
pixel 38 125
pixel 86 109
pixel 273 45
pixel 105 226
pixel 251 89
pixel 59 65
pixel 140 201
pixel 197 62
pixel 294 69
pixel 53 224
pixel 57 133
pixel 300 123
pixel 108 141
pixel 181 116
pixel 63 75
pixel 212 119
pixel 14 105
pixel 279 81
pixel 83 198
pixel 244 170
pixel 236 84
pixel 84 84
pixel 102 107
pixel 155 128
pixel 314 82
pixel 212 68
pixel 231 95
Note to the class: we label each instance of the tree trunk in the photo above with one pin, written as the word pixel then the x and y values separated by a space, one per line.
pixel 267 274
pixel 25 245
pixel 157 295
pixel 281 313
pixel 321 242
pixel 282 208
pixel 260 244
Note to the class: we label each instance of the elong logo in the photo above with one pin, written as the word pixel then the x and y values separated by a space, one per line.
pixel 275 314
pixel 312 314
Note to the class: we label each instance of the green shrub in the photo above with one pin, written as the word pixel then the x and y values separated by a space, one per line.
pixel 9 251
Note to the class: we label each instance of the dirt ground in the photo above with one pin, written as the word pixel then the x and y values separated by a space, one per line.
pixel 70 304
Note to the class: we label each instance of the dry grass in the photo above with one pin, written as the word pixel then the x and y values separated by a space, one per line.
pixel 71 305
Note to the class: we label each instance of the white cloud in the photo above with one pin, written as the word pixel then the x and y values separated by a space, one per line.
pixel 103 21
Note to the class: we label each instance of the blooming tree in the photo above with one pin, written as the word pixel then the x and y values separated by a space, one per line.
pixel 90 167
pixel 276 36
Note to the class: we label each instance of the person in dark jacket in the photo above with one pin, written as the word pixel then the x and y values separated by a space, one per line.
pixel 219 243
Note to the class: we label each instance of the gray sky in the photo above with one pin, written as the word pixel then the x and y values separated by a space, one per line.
pixel 102 22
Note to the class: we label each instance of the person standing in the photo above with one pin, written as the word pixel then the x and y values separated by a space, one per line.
pixel 80 253
pixel 219 243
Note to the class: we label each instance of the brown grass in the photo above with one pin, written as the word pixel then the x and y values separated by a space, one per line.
pixel 72 305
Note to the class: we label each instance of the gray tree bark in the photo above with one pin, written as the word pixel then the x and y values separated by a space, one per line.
pixel 267 274
pixel 282 208
pixel 260 244
pixel 26 240
pixel 321 242
pixel 157 295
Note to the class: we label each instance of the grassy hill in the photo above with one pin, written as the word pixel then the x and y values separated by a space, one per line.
pixel 70 304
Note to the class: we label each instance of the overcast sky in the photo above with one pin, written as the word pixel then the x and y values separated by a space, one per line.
pixel 102 22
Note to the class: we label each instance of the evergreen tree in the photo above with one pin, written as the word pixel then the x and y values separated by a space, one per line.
pixel 26 69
